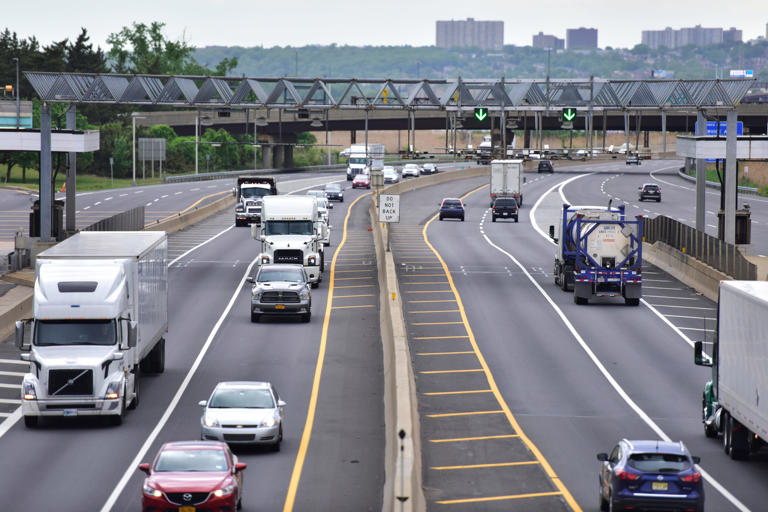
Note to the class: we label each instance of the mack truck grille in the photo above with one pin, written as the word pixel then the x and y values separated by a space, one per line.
pixel 289 256
pixel 281 297
pixel 70 382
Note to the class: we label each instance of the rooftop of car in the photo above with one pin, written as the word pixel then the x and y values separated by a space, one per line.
pixel 652 446
pixel 194 445
pixel 239 384
pixel 281 266
pixel 333 185
pixel 650 185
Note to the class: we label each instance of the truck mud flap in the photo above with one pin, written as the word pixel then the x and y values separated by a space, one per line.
pixel 582 292
pixel 633 291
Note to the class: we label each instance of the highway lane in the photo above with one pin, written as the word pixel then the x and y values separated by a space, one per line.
pixel 561 400
pixel 201 285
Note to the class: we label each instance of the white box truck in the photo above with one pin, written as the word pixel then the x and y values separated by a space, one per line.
pixel 735 401
pixel 363 161
pixel 507 180
pixel 100 319
pixel 288 234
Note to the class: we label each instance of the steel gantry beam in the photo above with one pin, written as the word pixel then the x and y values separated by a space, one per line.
pixel 371 93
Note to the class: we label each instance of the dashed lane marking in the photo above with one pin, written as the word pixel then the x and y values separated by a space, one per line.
pixel 478 438
pixel 468 413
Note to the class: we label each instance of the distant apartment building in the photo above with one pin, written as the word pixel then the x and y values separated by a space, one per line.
pixel 580 38
pixel 696 36
pixel 488 35
pixel 542 40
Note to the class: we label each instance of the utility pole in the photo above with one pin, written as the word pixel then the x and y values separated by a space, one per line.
pixel 18 104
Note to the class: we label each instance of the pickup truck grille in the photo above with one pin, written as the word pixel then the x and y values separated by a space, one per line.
pixel 70 382
pixel 289 256
pixel 280 297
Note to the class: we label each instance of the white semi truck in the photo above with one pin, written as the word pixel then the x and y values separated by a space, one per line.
pixel 100 320
pixel 507 180
pixel 734 400
pixel 288 234
pixel 363 161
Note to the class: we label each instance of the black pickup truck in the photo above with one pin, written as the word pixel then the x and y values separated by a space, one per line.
pixel 504 208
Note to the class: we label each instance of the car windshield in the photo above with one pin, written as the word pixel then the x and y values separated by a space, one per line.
pixel 288 227
pixel 75 332
pixel 333 187
pixel 249 193
pixel 651 187
pixel 411 166
pixel 659 462
pixel 191 460
pixel 290 275
pixel 244 398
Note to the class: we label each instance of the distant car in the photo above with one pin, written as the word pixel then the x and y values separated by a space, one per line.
pixel 650 474
pixel 504 208
pixel 452 208
pixel 411 170
pixel 334 192
pixel 280 289
pixel 243 413
pixel 361 181
pixel 391 175
pixel 429 169
pixel 650 191
pixel 633 158
pixel 545 166
pixel 193 475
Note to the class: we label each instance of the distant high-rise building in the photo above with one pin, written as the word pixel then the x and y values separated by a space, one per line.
pixel 542 40
pixel 576 38
pixel 488 35
pixel 658 38
pixel 732 35
pixel 700 36
pixel 696 36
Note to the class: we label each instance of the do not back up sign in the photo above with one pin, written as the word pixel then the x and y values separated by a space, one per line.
pixel 389 208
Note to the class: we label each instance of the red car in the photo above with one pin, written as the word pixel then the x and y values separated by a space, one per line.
pixel 361 181
pixel 191 476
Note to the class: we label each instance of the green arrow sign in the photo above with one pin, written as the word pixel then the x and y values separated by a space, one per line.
pixel 481 113
pixel 569 114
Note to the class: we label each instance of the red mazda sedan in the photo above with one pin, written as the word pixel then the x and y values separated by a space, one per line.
pixel 361 181
pixel 193 475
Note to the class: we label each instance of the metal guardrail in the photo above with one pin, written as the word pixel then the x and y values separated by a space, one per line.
pixel 714 252
pixel 713 184
pixel 129 220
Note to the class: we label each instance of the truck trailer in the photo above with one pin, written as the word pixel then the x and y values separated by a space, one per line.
pixel 599 253
pixel 731 401
pixel 507 180
pixel 249 191
pixel 100 320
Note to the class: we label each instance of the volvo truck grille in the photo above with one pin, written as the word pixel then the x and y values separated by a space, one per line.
pixel 70 382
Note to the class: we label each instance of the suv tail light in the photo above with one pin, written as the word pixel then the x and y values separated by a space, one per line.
pixel 626 475
pixel 691 479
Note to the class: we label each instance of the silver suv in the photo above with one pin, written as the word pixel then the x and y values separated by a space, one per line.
pixel 280 289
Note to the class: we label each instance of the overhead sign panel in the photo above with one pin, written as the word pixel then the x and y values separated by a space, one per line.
pixel 712 128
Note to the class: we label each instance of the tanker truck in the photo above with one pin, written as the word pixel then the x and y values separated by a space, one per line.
pixel 599 253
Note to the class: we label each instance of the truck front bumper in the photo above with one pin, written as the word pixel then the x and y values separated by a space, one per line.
pixel 248 217
pixel 315 276
pixel 75 406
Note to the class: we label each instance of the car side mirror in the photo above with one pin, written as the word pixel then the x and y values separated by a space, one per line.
pixel 552 232
pixel 19 335
pixel 602 457
pixel 699 357
pixel 280 403
pixel 525 179
pixel 250 280
pixel 639 188
pixel 202 403
pixel 144 466
pixel 696 459
pixel 240 466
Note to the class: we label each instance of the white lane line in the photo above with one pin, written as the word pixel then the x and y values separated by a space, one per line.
pixel 139 192
pixel 86 208
pixel 10 421
pixel 678 307
pixel 12 374
pixel 10 401
pixel 691 317
pixel 14 361
pixel 194 189
pixel 10 386
pixel 177 193
pixel 162 197
pixel 696 329
pixel 156 200
pixel 711 226
pixel 642 414
pixel 131 470
pixel 123 195
pixel 531 216
pixel 660 288
pixel 109 198
pixel 148 204
pixel 97 203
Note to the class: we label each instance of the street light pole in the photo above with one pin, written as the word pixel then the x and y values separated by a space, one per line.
pixel 18 104
pixel 134 117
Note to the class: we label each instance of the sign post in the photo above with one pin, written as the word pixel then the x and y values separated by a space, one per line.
pixel 389 211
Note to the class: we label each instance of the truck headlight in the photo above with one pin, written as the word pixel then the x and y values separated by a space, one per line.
pixel 224 491
pixel 256 293
pixel 312 261
pixel 113 390
pixel 211 421
pixel 239 208
pixel 28 391
pixel 304 294
pixel 265 260
pixel 151 491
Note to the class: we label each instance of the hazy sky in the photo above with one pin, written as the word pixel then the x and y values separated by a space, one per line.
pixel 393 22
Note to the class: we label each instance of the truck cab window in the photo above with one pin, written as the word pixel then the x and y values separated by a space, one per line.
pixel 75 332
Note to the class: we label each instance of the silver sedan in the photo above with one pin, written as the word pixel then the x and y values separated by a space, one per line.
pixel 243 413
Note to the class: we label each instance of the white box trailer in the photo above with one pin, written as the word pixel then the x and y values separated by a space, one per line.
pixel 507 180
pixel 100 319
pixel 736 399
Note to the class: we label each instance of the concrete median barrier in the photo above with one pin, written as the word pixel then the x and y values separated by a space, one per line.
pixel 186 218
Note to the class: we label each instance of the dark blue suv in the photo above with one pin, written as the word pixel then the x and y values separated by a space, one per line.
pixel 452 208
pixel 650 474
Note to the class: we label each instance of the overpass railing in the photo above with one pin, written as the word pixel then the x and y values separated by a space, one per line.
pixel 129 220
pixel 706 248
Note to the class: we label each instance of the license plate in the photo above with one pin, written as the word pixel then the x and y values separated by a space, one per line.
pixel 279 306
pixel 505 214
pixel 659 486
pixel 70 412
pixel 186 509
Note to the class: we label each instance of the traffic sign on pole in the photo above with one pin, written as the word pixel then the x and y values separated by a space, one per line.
pixel 389 208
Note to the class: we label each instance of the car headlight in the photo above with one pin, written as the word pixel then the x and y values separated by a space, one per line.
pixel 224 491
pixel 239 208
pixel 211 421
pixel 151 491
pixel 269 422
pixel 113 390
pixel 28 391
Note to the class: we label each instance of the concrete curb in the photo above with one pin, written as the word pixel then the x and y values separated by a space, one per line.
pixel 692 272
pixel 402 468
pixel 16 304
pixel 714 184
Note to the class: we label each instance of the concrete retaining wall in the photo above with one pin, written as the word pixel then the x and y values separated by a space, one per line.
pixel 690 271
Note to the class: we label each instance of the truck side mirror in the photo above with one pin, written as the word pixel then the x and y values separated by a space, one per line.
pixel 19 335
pixel 699 358
pixel 132 333
pixel 525 179
pixel 552 232
pixel 255 231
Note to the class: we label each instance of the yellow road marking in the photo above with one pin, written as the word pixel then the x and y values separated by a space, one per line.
pixel 428 372
pixel 356 286
pixel 353 307
pixel 438 337
pixel 301 455
pixel 491 381
pixel 473 413
pixel 478 438
pixel 413 274
pixel 353 278
pixel 429 291
pixel 425 301
pixel 350 296
pixel 425 282
pixel 347 271
pixel 492 465
pixel 470 392
pixel 435 323
pixel 500 498
pixel 442 353
pixel 424 312
pixel 357 265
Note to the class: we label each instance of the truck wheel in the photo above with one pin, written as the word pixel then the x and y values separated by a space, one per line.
pixel 493 218
pixel 136 388
pixel 726 420
pixel 579 300
pixel 315 284
pixel 306 317
pixel 739 439
pixel 516 219
pixel 562 281
pixel 155 360
pixel 632 302
pixel 30 421
pixel 322 261
pixel 255 317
